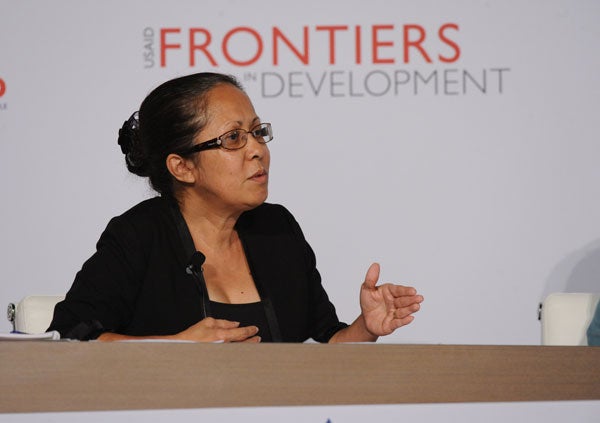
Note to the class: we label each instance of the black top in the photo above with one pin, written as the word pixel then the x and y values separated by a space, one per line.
pixel 247 314
pixel 137 284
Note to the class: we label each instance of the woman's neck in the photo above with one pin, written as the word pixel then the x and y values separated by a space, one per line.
pixel 211 229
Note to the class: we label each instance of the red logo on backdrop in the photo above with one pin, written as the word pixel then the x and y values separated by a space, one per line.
pixel 2 87
pixel 370 60
pixel 359 44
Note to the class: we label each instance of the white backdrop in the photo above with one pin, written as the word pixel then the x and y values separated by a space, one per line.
pixel 472 176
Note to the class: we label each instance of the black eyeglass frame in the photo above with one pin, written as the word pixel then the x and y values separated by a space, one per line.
pixel 218 143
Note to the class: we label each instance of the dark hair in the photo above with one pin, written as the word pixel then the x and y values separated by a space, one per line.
pixel 169 119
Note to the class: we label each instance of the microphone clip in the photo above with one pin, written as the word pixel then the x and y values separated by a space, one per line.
pixel 195 265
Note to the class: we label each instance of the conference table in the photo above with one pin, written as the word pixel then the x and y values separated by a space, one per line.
pixel 57 376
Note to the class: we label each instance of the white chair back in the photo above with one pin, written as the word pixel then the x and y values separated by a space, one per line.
pixel 566 316
pixel 33 314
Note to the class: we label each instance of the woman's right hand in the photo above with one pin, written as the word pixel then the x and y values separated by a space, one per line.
pixel 219 330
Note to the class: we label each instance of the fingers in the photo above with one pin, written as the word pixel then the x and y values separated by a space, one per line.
pixel 406 301
pixel 237 334
pixel 405 306
pixel 401 313
pixel 403 316
pixel 220 323
pixel 403 321
pixel 372 276
pixel 211 330
pixel 400 290
pixel 253 340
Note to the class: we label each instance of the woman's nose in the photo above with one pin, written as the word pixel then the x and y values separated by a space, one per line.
pixel 254 147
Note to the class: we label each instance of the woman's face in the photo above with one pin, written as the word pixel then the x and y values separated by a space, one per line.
pixel 231 180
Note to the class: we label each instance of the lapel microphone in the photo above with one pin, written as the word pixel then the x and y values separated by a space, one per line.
pixel 194 268
pixel 196 262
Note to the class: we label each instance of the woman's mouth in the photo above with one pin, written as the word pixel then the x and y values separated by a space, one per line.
pixel 260 175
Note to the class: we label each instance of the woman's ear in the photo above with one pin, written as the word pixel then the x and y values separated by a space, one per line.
pixel 181 168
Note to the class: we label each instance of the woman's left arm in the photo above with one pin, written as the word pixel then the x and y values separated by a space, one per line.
pixel 384 309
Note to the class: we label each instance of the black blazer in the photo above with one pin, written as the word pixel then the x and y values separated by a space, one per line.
pixel 137 284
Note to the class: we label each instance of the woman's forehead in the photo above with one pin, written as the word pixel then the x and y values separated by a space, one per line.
pixel 226 102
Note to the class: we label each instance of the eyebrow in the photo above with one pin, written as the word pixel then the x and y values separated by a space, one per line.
pixel 253 122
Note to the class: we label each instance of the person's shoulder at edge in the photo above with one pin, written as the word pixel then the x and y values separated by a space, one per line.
pixel 593 331
pixel 147 208
pixel 145 211
pixel 142 221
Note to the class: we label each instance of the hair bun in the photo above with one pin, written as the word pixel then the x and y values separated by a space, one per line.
pixel 129 140
pixel 128 133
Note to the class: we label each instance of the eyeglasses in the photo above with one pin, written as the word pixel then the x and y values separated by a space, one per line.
pixel 235 139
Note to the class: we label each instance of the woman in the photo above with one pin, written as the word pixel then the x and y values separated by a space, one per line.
pixel 209 260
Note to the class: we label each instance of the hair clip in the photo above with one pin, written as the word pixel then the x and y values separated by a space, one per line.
pixel 128 132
